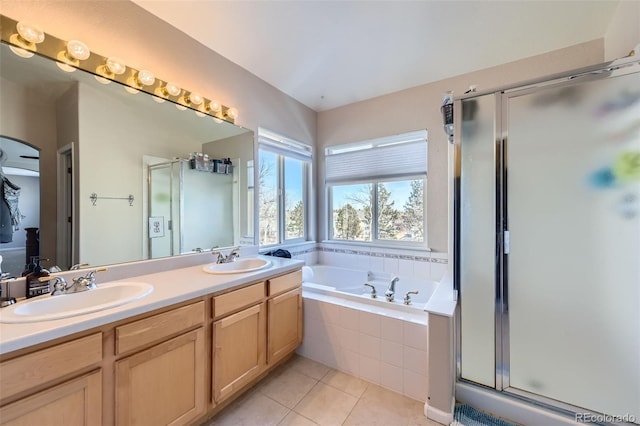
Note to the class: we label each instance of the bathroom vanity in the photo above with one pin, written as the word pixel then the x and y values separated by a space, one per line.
pixel 175 357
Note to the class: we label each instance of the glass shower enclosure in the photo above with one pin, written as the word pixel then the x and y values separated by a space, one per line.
pixel 548 241
pixel 189 210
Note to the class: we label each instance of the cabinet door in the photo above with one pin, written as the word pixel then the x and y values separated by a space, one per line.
pixel 163 385
pixel 285 324
pixel 239 342
pixel 75 402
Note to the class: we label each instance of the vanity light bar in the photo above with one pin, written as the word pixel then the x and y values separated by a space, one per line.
pixel 108 68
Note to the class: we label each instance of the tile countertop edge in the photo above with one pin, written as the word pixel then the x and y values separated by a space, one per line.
pixel 193 283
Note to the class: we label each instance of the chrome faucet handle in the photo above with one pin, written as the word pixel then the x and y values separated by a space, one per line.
pixel 78 266
pixel 369 276
pixel 59 286
pixel 233 254
pixel 407 297
pixel 86 282
pixel 373 294
pixel 221 257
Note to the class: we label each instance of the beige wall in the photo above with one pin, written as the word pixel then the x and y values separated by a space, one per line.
pixel 121 28
pixel 419 108
pixel 16 104
pixel 623 33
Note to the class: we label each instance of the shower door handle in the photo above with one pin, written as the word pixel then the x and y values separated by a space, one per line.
pixel 506 242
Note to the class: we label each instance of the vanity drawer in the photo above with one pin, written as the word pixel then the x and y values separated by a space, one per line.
pixel 285 282
pixel 46 365
pixel 237 299
pixel 158 327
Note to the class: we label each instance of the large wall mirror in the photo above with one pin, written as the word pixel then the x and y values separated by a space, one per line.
pixel 116 184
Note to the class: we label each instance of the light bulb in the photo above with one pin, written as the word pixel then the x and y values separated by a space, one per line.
pixel 102 80
pixel 146 78
pixel 200 114
pixel 131 90
pixel 65 67
pixel 78 50
pixel 172 89
pixel 157 99
pixel 21 52
pixel 194 98
pixel 181 107
pixel 30 33
pixel 232 113
pixel 214 106
pixel 116 66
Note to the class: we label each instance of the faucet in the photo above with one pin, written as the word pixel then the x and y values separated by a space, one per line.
pixel 391 291
pixel 407 297
pixel 78 266
pixel 373 293
pixel 231 257
pixel 81 283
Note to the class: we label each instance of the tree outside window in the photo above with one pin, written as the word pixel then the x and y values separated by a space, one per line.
pixel 397 206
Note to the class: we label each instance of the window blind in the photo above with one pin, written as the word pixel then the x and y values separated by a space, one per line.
pixel 390 157
pixel 272 142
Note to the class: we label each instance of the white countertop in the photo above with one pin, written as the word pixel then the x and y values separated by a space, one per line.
pixel 170 287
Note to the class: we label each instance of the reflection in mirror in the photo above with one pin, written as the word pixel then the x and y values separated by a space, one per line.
pixel 20 205
pixel 116 184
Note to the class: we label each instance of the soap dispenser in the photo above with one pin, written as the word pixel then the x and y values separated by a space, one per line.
pixel 36 287
pixel 29 267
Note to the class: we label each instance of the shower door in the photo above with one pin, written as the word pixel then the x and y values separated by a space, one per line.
pixel 573 214
pixel 549 242
pixel 164 209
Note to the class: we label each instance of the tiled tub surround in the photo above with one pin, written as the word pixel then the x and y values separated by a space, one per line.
pixel 420 264
pixel 375 340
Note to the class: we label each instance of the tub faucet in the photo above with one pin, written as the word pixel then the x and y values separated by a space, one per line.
pixel 391 291
pixel 407 297
pixel 373 293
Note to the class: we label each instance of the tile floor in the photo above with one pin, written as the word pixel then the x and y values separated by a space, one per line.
pixel 303 392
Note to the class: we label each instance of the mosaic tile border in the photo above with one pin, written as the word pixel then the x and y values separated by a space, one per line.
pixel 371 254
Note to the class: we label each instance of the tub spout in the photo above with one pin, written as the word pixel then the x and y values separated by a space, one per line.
pixel 391 291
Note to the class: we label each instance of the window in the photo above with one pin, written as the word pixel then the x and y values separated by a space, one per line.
pixel 377 190
pixel 283 176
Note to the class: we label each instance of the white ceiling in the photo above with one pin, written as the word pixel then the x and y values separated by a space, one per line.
pixel 331 53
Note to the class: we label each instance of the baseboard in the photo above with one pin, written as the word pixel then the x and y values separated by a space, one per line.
pixel 438 415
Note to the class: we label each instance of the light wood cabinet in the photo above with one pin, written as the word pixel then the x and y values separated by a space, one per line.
pixel 285 324
pixel 47 366
pixel 239 342
pixel 163 385
pixel 284 283
pixel 171 367
pixel 77 402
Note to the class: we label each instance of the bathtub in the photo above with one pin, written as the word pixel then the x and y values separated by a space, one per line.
pixel 347 287
pixel 381 342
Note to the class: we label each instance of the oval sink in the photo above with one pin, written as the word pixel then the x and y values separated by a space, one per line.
pixel 70 305
pixel 237 267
